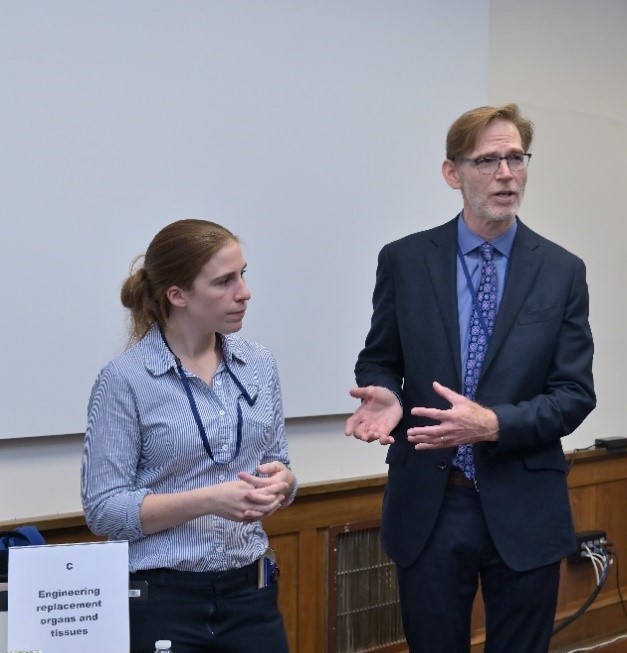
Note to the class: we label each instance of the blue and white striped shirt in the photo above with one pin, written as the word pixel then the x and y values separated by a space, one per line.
pixel 142 438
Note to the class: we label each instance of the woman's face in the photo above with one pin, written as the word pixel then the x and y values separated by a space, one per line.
pixel 219 295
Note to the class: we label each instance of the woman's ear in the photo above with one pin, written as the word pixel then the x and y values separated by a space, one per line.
pixel 176 297
pixel 451 174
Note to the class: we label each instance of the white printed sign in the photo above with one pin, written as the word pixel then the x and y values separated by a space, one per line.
pixel 69 598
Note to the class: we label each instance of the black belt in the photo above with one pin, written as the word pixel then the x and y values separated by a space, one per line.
pixel 456 477
pixel 221 581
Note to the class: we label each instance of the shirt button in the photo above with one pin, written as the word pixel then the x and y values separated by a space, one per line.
pixel 218 381
pixel 221 477
pixel 225 447
pixel 219 549
pixel 222 412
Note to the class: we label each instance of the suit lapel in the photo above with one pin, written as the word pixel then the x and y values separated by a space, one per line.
pixel 521 277
pixel 441 262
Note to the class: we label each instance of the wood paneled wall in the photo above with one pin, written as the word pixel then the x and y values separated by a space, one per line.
pixel 598 491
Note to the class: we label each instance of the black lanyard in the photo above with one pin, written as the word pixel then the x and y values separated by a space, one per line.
pixel 192 403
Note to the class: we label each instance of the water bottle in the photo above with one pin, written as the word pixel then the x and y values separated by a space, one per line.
pixel 163 646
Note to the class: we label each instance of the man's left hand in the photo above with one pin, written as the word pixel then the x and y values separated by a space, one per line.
pixel 465 422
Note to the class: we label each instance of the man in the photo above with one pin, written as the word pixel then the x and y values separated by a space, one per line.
pixel 478 360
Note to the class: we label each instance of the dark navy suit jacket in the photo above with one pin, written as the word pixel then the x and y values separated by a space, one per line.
pixel 537 377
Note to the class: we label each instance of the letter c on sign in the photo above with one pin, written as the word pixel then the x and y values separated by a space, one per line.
pixel 69 565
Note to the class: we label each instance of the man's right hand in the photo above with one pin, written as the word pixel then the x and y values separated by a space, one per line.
pixel 377 416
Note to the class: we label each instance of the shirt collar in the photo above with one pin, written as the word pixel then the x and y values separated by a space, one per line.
pixel 232 348
pixel 159 359
pixel 468 240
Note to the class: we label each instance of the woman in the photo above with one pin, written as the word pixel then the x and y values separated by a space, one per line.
pixel 185 450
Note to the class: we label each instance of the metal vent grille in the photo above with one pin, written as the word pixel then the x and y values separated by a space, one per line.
pixel 364 613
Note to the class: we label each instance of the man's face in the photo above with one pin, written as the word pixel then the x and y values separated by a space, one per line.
pixel 493 199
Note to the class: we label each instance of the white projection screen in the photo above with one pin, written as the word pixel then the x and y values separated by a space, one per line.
pixel 312 129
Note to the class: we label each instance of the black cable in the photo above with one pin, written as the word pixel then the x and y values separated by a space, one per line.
pixel 569 620
pixel 611 558
pixel 620 594
pixel 575 451
pixel 582 609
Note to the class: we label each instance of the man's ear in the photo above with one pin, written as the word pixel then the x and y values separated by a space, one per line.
pixel 451 174
pixel 176 296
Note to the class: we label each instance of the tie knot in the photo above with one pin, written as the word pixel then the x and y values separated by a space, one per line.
pixel 487 251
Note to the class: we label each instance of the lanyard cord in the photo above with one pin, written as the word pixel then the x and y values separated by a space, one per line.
pixel 192 403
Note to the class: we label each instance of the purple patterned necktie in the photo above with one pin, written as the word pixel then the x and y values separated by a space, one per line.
pixel 478 344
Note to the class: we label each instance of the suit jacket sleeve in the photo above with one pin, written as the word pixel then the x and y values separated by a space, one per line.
pixel 566 395
pixel 381 363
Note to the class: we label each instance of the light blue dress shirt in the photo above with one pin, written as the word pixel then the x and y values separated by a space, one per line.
pixel 142 438
pixel 468 242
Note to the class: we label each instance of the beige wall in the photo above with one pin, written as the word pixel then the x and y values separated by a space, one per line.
pixel 565 63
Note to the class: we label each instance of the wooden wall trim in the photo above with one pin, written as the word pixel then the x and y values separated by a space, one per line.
pixel 588 467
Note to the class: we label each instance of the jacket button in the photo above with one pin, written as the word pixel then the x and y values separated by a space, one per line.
pixel 442 464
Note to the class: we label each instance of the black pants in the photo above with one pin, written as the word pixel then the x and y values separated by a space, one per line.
pixel 221 612
pixel 438 590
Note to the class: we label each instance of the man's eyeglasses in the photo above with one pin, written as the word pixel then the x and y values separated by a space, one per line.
pixel 488 165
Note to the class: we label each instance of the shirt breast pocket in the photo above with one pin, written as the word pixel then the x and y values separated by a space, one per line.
pixel 257 419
